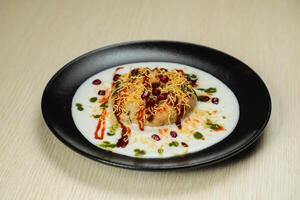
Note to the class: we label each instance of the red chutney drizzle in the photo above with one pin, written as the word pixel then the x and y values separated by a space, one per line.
pixel 123 141
pixel 101 122
pixel 179 116
pixel 101 125
pixel 140 118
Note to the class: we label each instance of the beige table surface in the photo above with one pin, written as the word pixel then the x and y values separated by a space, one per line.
pixel 38 37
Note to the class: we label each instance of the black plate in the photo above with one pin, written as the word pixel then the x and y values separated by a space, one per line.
pixel 251 92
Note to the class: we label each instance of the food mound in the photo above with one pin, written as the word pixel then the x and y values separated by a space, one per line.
pixel 152 97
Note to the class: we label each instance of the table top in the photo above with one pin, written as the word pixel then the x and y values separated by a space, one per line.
pixel 38 37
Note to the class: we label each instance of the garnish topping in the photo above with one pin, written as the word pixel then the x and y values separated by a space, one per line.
pixel 173 144
pixel 184 144
pixel 139 152
pixel 107 144
pixel 198 135
pixel 103 106
pixel 160 151
pixel 203 98
pixel 155 137
pixel 173 134
pixel 96 82
pixel 93 99
pixel 79 106
pixel 215 100
pixel 101 92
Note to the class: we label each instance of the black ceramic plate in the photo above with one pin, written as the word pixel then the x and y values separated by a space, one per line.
pixel 252 94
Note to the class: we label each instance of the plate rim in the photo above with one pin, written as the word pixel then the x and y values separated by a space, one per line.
pixel 211 161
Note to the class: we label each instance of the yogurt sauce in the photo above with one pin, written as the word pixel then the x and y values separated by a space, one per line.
pixel 198 128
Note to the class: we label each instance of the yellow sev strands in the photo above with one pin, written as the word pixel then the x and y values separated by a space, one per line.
pixel 129 90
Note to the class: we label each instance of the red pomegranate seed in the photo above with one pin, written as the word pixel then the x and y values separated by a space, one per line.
pixel 150 102
pixel 173 134
pixel 215 100
pixel 164 78
pixel 134 72
pixel 116 77
pixel 155 137
pixel 145 94
pixel 162 97
pixel 184 144
pixel 101 92
pixel 203 98
pixel 150 118
pixel 155 85
pixel 96 82
pixel 155 91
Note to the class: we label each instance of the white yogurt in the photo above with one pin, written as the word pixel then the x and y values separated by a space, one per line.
pixel 227 115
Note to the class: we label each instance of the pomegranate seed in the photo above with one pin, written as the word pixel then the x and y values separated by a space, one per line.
pixel 155 92
pixel 150 102
pixel 155 137
pixel 164 78
pixel 203 98
pixel 145 94
pixel 134 72
pixel 96 82
pixel 173 134
pixel 101 92
pixel 116 77
pixel 162 97
pixel 184 144
pixel 215 100
pixel 155 85
pixel 150 118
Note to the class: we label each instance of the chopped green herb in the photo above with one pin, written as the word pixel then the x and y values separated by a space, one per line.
pixel 198 135
pixel 211 90
pixel 103 106
pixel 112 130
pixel 110 133
pixel 96 116
pixel 113 127
pixel 185 88
pixel 160 151
pixel 173 143
pixel 139 152
pixel 93 99
pixel 214 126
pixel 208 90
pixel 193 77
pixel 79 106
pixel 107 144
